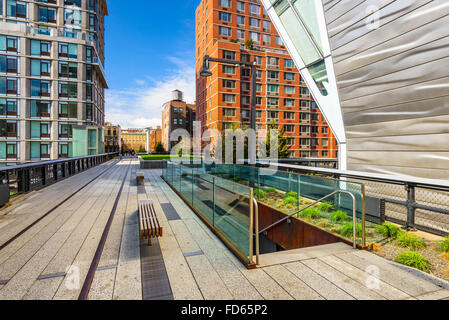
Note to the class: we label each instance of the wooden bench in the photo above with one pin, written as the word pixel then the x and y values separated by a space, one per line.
pixel 140 178
pixel 148 222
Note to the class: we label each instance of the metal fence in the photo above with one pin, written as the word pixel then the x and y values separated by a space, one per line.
pixel 33 176
pixel 415 203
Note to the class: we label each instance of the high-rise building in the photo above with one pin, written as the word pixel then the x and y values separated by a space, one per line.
pixel 241 30
pixel 52 79
pixel 176 114
pixel 378 71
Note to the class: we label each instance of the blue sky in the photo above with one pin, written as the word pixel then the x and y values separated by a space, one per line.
pixel 150 51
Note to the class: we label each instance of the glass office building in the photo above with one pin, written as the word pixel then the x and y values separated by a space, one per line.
pixel 378 71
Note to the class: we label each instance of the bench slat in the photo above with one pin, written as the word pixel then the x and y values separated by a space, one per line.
pixel 148 221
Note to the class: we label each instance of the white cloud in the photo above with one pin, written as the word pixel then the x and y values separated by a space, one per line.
pixel 141 105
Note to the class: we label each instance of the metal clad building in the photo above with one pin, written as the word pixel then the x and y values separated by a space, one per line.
pixel 387 61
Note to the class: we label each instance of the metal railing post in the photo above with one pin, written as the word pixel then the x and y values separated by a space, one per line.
pixel 251 224
pixel 411 206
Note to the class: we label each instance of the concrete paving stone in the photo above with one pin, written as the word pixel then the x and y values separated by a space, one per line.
pixel 209 282
pixel 347 284
pixel 182 282
pixel 11 266
pixel 437 295
pixel 43 289
pixel 128 282
pixel 290 283
pixel 183 236
pixel 318 283
pixel 103 285
pixel 18 286
pixel 366 278
pixel 389 273
pixel 265 285
pixel 303 254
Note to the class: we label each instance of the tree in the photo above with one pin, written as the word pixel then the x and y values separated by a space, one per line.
pixel 141 149
pixel 159 148
pixel 249 44
pixel 283 147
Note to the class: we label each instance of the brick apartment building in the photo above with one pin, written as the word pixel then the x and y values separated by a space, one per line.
pixel 176 114
pixel 223 28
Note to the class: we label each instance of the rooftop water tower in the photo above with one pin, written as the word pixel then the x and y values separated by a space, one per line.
pixel 177 95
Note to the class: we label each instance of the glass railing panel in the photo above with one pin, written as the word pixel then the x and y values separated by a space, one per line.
pixel 186 182
pixel 231 215
pixel 203 196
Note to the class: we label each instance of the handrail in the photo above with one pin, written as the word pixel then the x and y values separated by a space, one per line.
pixel 354 216
pixel 254 224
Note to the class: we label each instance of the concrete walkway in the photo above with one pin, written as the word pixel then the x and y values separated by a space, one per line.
pixel 51 259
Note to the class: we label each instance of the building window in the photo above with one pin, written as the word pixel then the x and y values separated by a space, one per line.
pixel 289 102
pixel 240 34
pixel 40 48
pixel 289 128
pixel 225 3
pixel 272 89
pixel 245 72
pixel 273 102
pixel 39 109
pixel 289 115
pixel 245 100
pixel 254 36
pixel 240 6
pixel 254 23
pixel 228 98
pixel 47 14
pixel 289 90
pixel 72 17
pixel 324 130
pixel 278 41
pixel 16 9
pixel 228 69
pixel 288 63
pixel 266 39
pixel 68 50
pixel 240 20
pixel 8 86
pixel 273 62
pixel 8 43
pixel 68 110
pixel 68 89
pixel 40 68
pixel 230 55
pixel 254 9
pixel 229 84
pixel 225 31
pixel 272 75
pixel 224 16
pixel 8 64
pixel 289 76
pixel 40 88
pixel 227 112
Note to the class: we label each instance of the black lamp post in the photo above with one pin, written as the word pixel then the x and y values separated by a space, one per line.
pixel 205 72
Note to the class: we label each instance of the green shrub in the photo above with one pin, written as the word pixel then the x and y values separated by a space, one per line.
pixel 260 194
pixel 289 200
pixel 408 240
pixel 338 216
pixel 444 246
pixel 236 179
pixel 389 230
pixel 413 259
pixel 347 230
pixel 325 207
pixel 270 189
pixel 312 213
pixel 291 194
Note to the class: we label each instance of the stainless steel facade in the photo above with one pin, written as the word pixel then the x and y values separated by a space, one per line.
pixel 391 65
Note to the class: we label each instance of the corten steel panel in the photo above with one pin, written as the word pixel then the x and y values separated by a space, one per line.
pixel 296 234
pixel 393 84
